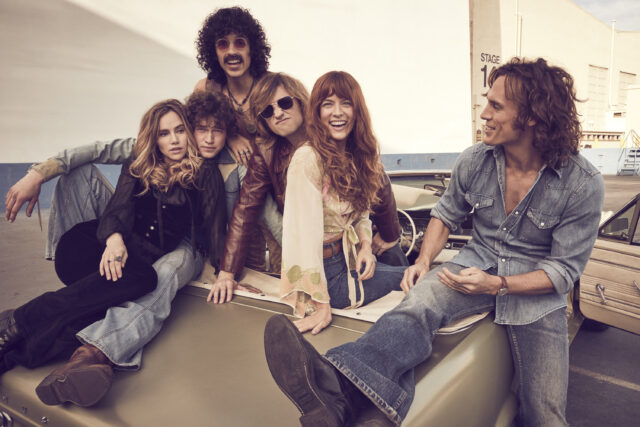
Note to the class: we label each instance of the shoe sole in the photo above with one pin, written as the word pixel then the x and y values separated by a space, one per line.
pixel 5 318
pixel 284 346
pixel 83 387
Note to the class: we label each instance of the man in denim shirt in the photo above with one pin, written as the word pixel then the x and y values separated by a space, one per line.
pixel 536 205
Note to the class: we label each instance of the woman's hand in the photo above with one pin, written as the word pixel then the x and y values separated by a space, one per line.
pixel 379 246
pixel 365 257
pixel 222 289
pixel 114 257
pixel 241 149
pixel 317 321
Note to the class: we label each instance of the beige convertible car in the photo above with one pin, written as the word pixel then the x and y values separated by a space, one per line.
pixel 207 366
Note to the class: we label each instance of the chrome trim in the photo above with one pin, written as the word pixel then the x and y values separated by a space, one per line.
pixel 600 290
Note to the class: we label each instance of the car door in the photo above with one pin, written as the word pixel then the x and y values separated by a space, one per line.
pixel 610 284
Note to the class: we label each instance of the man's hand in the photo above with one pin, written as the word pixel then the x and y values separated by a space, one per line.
pixel 114 257
pixel 471 280
pixel 241 149
pixel 412 275
pixel 379 246
pixel 367 259
pixel 26 189
pixel 317 321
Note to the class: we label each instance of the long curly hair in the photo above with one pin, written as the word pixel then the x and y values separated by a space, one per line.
pixel 262 95
pixel 222 22
pixel 149 166
pixel 202 105
pixel 355 174
pixel 546 95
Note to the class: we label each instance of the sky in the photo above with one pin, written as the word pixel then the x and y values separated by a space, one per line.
pixel 625 12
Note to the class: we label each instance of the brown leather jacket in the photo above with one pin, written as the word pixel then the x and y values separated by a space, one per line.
pixel 267 172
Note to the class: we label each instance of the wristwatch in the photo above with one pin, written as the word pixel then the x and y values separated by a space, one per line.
pixel 504 289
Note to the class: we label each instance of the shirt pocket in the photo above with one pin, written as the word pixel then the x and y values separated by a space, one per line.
pixel 479 201
pixel 537 226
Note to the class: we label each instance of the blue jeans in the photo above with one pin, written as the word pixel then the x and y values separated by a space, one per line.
pixel 381 362
pixel 127 328
pixel 385 279
pixel 394 256
pixel 82 195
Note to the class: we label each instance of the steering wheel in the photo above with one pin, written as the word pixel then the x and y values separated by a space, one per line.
pixel 414 233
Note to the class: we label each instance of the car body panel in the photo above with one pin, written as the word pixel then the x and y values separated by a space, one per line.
pixel 207 367
pixel 610 285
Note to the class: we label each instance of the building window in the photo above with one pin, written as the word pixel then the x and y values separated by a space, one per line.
pixel 625 80
pixel 597 100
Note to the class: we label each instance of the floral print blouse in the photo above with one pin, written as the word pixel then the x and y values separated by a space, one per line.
pixel 314 214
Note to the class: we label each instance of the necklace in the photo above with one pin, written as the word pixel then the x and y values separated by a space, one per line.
pixel 240 104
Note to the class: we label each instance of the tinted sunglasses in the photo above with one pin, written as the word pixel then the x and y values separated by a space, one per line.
pixel 284 103
pixel 238 43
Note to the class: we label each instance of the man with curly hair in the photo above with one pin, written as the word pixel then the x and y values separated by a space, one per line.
pixel 537 204
pixel 82 194
pixel 234 52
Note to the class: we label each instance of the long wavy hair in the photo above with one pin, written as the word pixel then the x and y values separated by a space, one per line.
pixel 223 22
pixel 546 95
pixel 355 174
pixel 262 95
pixel 149 166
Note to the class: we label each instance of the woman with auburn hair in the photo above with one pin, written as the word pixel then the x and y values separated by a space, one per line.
pixel 161 196
pixel 279 104
pixel 332 184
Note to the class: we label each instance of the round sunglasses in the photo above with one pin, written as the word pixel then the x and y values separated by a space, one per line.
pixel 238 43
pixel 284 103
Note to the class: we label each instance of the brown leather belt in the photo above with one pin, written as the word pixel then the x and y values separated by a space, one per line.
pixel 332 248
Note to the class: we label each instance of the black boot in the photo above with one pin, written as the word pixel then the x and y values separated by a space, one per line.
pixel 10 334
pixel 322 394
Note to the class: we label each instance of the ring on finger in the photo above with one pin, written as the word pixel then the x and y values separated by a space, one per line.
pixel 119 258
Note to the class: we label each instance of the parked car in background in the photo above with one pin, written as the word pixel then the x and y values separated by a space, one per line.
pixel 609 289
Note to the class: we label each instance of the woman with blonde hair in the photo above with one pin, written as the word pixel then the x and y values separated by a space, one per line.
pixel 332 184
pixel 279 104
pixel 161 197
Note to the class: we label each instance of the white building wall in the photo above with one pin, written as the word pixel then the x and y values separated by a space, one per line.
pixel 568 36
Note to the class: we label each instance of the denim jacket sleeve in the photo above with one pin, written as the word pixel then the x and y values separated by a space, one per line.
pixel 104 152
pixel 575 234
pixel 452 206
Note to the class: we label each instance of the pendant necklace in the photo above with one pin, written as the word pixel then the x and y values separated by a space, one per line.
pixel 240 104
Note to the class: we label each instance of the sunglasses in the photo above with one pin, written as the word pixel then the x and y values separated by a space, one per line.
pixel 284 103
pixel 238 43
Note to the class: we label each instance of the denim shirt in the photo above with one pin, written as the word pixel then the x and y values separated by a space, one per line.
pixel 552 229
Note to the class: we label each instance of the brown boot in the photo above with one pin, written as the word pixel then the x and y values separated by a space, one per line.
pixel 322 394
pixel 83 380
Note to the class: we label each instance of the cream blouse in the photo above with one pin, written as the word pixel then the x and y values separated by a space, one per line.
pixel 314 214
